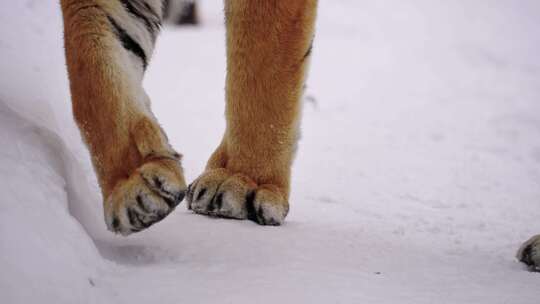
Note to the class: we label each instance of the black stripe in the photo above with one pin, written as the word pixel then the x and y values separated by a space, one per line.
pixel 169 202
pixel 250 206
pixel 308 53
pixel 129 43
pixel 151 25
pixel 151 11
pixel 219 201
pixel 201 194
pixel 141 204
pixel 115 223
pixel 133 219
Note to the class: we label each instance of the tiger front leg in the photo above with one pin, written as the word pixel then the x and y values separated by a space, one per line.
pixel 268 47
pixel 108 45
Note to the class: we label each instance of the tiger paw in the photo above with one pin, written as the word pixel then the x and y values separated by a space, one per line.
pixel 146 197
pixel 219 193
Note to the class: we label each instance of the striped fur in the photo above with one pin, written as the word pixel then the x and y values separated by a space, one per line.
pixel 137 26
pixel 109 44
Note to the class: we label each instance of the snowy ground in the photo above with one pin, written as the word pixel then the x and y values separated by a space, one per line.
pixel 417 178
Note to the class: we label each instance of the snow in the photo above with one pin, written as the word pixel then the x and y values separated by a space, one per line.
pixel 417 177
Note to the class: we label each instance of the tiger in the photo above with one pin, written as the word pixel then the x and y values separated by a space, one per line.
pixel 108 47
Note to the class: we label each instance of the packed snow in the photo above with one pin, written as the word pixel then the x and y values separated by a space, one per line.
pixel 417 177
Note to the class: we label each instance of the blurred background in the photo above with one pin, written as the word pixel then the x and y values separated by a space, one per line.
pixel 416 180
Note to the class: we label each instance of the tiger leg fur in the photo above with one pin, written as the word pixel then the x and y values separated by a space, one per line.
pixel 108 44
pixel 268 48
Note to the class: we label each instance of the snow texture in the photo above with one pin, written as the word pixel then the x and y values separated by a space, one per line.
pixel 416 180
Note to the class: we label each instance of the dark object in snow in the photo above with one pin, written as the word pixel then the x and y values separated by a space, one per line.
pixel 529 253
pixel 180 12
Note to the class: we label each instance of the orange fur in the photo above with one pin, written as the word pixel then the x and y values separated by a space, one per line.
pixel 267 46
pixel 267 42
pixel 109 104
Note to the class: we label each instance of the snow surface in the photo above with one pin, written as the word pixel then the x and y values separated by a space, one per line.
pixel 417 178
